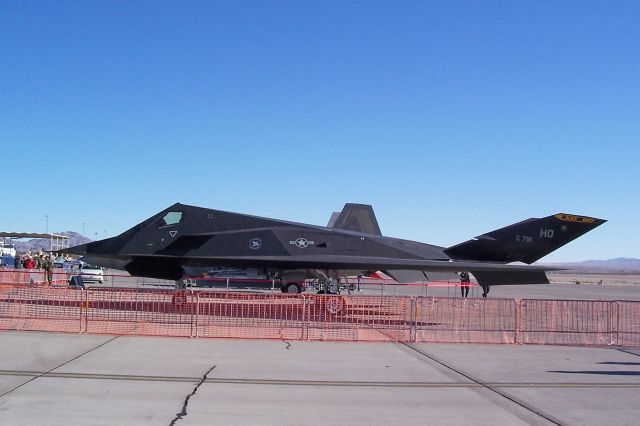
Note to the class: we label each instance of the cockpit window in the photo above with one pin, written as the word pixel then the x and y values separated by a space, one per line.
pixel 171 218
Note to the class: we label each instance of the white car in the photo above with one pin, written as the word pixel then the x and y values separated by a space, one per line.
pixel 90 272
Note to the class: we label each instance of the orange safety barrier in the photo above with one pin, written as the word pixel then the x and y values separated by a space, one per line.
pixel 358 318
pixel 34 277
pixel 465 320
pixel 40 309
pixel 627 323
pixel 187 313
pixel 148 313
pixel 567 322
pixel 242 315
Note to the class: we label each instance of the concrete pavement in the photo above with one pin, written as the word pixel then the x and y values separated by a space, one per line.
pixel 55 379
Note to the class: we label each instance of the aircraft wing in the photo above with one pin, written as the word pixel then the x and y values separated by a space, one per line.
pixel 507 274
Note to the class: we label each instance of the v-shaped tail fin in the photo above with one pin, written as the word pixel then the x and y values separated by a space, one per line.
pixel 356 217
pixel 526 241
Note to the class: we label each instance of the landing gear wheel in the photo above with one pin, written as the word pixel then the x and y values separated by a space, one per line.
pixel 291 288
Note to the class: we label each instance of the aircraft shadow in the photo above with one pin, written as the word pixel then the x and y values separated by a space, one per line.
pixel 619 363
pixel 600 373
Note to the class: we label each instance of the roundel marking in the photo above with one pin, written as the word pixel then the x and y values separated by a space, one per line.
pixel 301 242
pixel 255 243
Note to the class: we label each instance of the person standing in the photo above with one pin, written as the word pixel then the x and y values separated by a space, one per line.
pixel 485 290
pixel 47 265
pixel 29 263
pixel 465 283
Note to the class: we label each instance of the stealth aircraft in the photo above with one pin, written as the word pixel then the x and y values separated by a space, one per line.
pixel 182 236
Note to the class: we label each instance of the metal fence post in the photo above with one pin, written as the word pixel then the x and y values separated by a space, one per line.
pixel 81 305
pixel 412 320
pixel 84 305
pixel 610 323
pixel 305 324
pixel 617 302
pixel 194 316
pixel 190 304
pixel 516 325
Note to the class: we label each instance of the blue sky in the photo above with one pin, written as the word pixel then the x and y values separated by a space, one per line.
pixel 451 118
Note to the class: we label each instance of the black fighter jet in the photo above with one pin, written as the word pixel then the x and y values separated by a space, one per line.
pixel 181 237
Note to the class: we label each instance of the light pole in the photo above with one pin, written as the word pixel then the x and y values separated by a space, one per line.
pixel 47 216
pixel 83 229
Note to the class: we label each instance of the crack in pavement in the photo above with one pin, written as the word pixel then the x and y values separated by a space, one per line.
pixel 183 413
pixel 282 338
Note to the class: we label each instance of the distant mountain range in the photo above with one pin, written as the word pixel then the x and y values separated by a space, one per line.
pixel 42 244
pixel 620 265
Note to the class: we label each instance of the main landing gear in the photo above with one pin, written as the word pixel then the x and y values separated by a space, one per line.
pixel 328 286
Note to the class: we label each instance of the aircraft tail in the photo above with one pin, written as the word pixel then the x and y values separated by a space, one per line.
pixel 526 241
pixel 356 217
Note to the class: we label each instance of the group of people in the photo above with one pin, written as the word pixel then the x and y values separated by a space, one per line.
pixel 33 261
pixel 465 283
pixel 36 261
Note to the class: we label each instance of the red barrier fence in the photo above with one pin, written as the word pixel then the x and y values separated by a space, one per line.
pixel 187 313
pixel 34 277
pixel 579 322
pixel 40 309
pixel 465 320
pixel 627 325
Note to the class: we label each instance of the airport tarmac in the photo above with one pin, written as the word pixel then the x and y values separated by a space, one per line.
pixel 56 379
